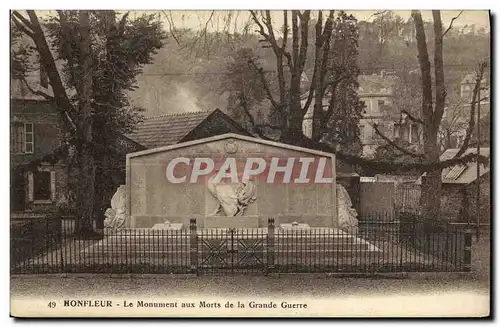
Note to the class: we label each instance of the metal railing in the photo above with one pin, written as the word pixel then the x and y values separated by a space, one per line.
pixel 371 247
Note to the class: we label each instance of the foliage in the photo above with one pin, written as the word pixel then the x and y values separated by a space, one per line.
pixel 20 54
pixel 244 87
pixel 343 126
pixel 120 49
pixel 389 153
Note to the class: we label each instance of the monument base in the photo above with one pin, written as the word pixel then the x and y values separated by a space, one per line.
pixel 232 222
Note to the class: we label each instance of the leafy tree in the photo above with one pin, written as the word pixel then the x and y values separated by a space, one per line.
pixel 341 129
pixel 98 57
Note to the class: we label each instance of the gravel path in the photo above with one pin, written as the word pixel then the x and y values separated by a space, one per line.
pixel 285 285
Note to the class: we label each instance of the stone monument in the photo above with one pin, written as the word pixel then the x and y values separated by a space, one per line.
pixel 116 215
pixel 347 215
pixel 231 181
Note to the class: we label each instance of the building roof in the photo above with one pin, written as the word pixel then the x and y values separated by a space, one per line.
pixel 168 129
pixel 377 84
pixel 462 174
pixel 470 78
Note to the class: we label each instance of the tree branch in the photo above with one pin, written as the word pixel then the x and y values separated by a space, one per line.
pixel 244 106
pixel 36 92
pixel 278 51
pixel 317 62
pixel 412 118
pixel 451 23
pixel 394 144
pixel 264 83
pixel 268 36
pixel 304 38
pixel 23 19
pixel 470 128
pixel 287 54
pixel 22 27
pixel 66 33
pixel 121 24
pixel 425 67
pixel 64 105
pixel 388 166
pixel 438 70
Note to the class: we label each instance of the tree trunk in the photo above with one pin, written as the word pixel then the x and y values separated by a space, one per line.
pixel 85 153
pixel 431 184
pixel 104 186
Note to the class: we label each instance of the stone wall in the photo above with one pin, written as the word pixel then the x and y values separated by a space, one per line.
pixel 457 196
pixel 61 190
pixel 484 201
pixel 377 201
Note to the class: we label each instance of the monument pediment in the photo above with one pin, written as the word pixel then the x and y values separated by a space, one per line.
pixel 231 146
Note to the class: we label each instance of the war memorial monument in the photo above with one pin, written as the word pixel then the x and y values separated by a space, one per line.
pixel 231 190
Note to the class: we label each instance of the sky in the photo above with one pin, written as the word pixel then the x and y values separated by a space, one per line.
pixel 197 19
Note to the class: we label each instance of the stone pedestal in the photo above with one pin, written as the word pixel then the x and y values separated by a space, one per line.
pixel 232 222
pixel 171 226
pixel 295 226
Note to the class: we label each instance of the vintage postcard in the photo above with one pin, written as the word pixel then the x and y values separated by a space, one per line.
pixel 259 163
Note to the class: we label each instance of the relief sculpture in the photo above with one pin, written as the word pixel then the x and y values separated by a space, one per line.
pixel 232 198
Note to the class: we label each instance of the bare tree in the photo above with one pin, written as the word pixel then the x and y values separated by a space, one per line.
pixel 284 93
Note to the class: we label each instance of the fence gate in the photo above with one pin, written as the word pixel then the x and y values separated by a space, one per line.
pixel 231 251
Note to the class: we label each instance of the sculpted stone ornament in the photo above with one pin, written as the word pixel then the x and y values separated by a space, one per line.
pixel 231 146
pixel 115 216
pixel 347 215
pixel 232 198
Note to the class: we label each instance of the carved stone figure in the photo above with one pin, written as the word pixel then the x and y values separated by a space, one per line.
pixel 232 198
pixel 115 216
pixel 347 215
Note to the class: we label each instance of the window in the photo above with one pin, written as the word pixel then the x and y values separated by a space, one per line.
pixel 22 138
pixel 380 103
pixel 397 131
pixel 29 142
pixel 413 133
pixel 365 107
pixel 362 132
pixel 41 186
pixel 17 138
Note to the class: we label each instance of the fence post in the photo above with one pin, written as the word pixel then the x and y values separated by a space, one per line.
pixel 467 249
pixel 193 245
pixel 270 245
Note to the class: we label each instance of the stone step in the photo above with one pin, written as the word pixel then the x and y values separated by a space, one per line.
pixel 280 256
pixel 186 240
pixel 157 235
pixel 179 252
pixel 317 246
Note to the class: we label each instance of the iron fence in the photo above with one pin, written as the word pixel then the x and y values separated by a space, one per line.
pixel 371 247
pixel 30 237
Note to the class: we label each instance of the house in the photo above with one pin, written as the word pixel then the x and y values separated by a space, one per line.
pixel 459 188
pixel 377 92
pixel 34 133
pixel 456 115
pixel 169 129
pixel 39 174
